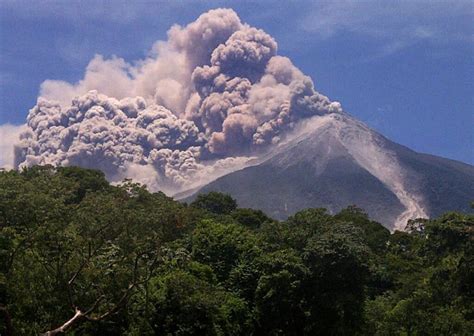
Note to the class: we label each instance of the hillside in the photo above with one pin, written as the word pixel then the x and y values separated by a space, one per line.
pixel 338 161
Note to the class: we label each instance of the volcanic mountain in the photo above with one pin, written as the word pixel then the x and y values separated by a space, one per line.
pixel 335 161
pixel 204 102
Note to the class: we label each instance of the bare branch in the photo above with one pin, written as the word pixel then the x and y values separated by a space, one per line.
pixel 125 295
pixel 77 316
pixel 68 324
pixel 86 315
pixel 79 270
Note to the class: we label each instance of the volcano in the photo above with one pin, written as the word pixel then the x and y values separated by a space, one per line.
pixel 215 107
pixel 335 161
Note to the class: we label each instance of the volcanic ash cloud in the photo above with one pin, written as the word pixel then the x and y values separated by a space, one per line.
pixel 204 101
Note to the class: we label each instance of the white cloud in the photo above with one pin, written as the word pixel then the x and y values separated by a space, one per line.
pixel 76 11
pixel 396 24
pixel 9 135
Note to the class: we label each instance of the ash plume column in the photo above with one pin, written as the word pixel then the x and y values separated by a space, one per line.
pixel 204 101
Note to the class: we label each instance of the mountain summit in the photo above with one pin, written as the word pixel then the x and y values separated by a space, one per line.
pixel 335 161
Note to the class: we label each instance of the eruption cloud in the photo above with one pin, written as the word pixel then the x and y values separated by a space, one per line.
pixel 202 103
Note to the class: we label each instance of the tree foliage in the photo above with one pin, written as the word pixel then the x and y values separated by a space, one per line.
pixel 215 202
pixel 83 257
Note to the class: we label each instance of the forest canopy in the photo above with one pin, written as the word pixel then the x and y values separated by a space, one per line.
pixel 83 257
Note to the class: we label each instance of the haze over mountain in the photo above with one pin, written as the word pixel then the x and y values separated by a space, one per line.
pixel 216 97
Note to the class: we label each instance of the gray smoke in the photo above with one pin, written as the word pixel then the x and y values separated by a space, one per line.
pixel 204 101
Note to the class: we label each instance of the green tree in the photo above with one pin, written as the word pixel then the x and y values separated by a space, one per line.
pixel 215 202
pixel 280 299
pixel 185 304
pixel 222 246
pixel 83 257
pixel 250 218
pixel 338 262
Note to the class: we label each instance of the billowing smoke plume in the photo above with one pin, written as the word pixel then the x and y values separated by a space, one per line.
pixel 8 138
pixel 203 102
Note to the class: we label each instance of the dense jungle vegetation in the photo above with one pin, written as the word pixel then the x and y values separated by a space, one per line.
pixel 82 257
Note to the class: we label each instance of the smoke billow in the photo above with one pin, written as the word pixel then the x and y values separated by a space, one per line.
pixel 201 104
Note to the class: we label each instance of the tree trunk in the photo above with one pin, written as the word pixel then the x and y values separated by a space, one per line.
pixel 8 320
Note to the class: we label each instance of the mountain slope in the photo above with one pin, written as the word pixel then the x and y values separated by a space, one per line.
pixel 336 161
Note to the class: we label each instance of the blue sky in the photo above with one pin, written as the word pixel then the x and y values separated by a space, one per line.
pixel 404 68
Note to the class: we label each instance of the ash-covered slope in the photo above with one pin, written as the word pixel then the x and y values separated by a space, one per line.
pixel 336 161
